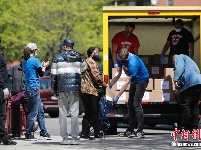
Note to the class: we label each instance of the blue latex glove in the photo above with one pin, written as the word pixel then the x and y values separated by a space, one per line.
pixel 115 65
pixel 116 98
pixel 109 86
pixel 162 59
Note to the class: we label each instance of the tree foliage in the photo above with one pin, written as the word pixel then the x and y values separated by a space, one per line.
pixel 47 23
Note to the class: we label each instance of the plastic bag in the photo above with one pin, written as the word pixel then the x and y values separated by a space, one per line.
pixel 18 98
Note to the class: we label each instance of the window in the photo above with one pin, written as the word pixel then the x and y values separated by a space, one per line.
pixel 169 3
pixel 133 2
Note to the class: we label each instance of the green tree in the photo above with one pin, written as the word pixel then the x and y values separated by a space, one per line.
pixel 48 22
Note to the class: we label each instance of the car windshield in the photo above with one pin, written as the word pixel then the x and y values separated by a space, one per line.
pixel 45 84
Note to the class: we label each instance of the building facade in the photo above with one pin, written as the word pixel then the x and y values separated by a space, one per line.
pixel 157 2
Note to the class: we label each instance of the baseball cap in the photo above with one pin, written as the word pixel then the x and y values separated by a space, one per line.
pixel 32 46
pixel 68 42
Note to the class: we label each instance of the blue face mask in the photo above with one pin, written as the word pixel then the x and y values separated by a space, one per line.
pixel 177 30
pixel 96 57
pixel 128 33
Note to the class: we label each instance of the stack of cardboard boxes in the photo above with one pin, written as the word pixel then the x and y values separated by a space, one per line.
pixel 117 86
pixel 161 86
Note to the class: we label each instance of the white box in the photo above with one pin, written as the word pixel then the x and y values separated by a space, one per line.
pixel 123 74
pixel 123 97
pixel 165 97
pixel 118 85
pixel 148 96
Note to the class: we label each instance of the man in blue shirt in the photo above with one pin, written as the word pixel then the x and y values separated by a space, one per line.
pixel 138 77
pixel 187 80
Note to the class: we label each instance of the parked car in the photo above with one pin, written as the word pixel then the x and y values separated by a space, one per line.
pixel 50 102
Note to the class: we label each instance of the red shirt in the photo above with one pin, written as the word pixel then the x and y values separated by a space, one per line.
pixel 130 42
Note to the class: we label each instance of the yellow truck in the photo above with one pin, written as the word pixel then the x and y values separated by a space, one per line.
pixel 153 25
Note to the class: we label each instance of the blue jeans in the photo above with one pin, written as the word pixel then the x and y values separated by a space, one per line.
pixel 35 110
pixel 136 93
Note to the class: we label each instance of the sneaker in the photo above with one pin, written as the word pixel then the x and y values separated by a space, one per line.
pixel 30 137
pixel 140 134
pixel 74 141
pixel 64 142
pixel 133 134
pixel 85 136
pixel 98 136
pixel 127 133
pixel 45 136
pixel 8 141
pixel 15 136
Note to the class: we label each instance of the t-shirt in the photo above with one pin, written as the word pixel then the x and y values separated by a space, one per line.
pixel 31 75
pixel 130 42
pixel 179 41
pixel 135 68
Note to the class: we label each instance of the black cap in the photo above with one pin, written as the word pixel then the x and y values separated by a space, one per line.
pixel 68 42
pixel 179 22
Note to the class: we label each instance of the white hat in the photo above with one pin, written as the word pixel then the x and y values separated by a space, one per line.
pixel 32 46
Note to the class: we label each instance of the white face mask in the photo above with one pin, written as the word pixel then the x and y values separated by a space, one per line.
pixel 35 54
pixel 177 30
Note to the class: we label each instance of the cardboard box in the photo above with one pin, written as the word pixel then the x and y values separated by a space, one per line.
pixel 155 71
pixel 148 96
pixel 157 59
pixel 123 74
pixel 147 59
pixel 123 97
pixel 164 84
pixel 150 85
pixel 110 93
pixel 119 84
pixel 169 72
pixel 164 95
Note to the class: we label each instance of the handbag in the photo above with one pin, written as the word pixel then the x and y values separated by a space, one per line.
pixel 18 98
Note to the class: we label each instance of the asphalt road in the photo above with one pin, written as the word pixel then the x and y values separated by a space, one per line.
pixel 158 137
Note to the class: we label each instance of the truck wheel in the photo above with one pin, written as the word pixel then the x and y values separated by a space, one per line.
pixel 53 114
pixel 112 129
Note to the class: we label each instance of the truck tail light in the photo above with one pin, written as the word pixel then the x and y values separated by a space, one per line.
pixel 106 79
pixel 154 12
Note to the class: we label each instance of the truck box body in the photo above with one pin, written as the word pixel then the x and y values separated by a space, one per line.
pixel 152 26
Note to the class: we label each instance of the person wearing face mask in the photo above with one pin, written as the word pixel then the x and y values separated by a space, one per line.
pixel 125 39
pixel 180 41
pixel 91 81
pixel 33 69
pixel 138 78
